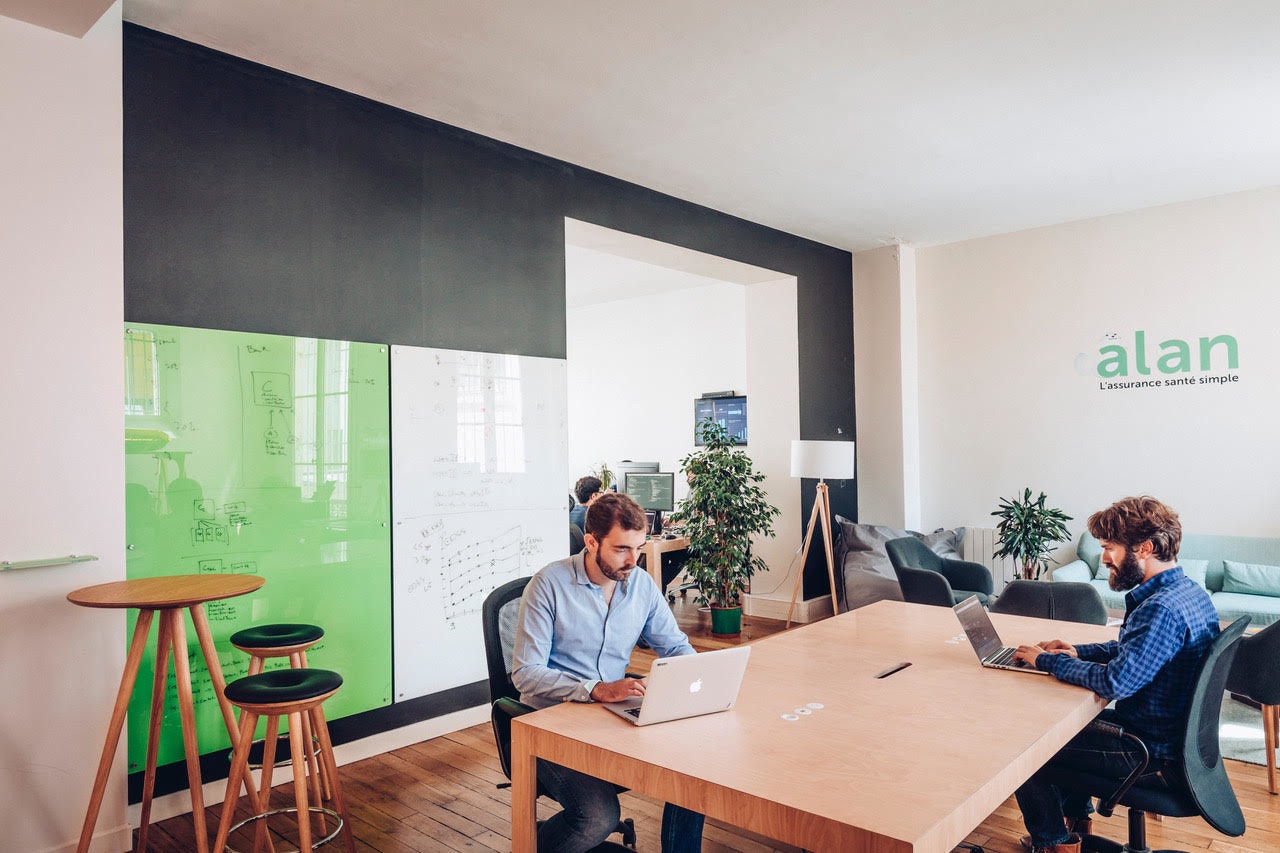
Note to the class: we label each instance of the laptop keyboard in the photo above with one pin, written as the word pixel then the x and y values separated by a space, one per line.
pixel 1004 658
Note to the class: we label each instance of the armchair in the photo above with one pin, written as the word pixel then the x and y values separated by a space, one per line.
pixel 1256 675
pixel 963 577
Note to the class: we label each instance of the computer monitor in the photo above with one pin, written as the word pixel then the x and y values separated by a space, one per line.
pixel 653 492
pixel 729 412
pixel 626 466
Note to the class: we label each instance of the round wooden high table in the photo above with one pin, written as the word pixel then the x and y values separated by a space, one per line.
pixel 168 595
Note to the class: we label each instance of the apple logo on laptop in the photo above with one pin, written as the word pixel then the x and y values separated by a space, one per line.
pixel 695 686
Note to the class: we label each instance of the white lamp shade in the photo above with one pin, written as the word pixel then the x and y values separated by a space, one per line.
pixel 823 460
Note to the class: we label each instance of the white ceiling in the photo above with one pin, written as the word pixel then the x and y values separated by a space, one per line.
pixel 851 122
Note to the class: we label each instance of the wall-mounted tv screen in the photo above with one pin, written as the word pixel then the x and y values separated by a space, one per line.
pixel 729 412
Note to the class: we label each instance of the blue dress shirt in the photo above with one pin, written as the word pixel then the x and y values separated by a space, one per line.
pixel 1169 624
pixel 568 640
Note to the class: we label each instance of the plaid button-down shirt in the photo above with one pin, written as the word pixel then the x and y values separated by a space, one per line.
pixel 1169 625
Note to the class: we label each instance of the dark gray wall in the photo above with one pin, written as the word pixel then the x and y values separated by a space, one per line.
pixel 260 201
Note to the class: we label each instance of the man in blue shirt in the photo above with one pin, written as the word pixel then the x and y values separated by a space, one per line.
pixel 585 490
pixel 1169 625
pixel 579 620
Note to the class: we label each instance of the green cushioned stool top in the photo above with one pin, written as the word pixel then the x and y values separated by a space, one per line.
pixel 283 685
pixel 283 634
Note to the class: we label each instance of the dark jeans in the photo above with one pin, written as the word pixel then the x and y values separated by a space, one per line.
pixel 1094 750
pixel 590 812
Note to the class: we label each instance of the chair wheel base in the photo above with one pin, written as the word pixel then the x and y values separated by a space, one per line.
pixel 337 828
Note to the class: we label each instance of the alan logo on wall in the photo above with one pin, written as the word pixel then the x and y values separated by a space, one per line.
pixel 1134 361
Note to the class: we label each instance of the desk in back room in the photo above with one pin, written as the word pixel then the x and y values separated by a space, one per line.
pixel 911 762
pixel 654 548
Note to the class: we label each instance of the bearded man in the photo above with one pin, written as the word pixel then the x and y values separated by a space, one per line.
pixel 579 620
pixel 1169 625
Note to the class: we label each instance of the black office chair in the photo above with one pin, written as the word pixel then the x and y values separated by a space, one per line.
pixel 1069 602
pixel 962 577
pixel 498 619
pixel 1201 784
pixel 1256 675
pixel 576 539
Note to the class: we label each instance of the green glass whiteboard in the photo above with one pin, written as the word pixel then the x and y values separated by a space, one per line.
pixel 266 455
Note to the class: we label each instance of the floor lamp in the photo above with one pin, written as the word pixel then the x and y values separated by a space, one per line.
pixel 820 460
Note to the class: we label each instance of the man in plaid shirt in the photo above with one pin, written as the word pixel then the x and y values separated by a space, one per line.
pixel 1169 624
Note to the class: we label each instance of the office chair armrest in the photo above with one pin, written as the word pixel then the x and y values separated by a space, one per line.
pixel 1107 805
pixel 963 574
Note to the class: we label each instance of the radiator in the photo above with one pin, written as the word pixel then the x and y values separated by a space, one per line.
pixel 980 545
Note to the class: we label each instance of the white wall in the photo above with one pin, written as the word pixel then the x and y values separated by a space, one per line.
pixel 1010 329
pixel 773 356
pixel 61 439
pixel 886 378
pixel 635 366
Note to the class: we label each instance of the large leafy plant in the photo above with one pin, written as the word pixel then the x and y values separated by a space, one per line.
pixel 1028 531
pixel 725 507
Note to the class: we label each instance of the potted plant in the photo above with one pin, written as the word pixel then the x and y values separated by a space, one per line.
pixel 725 507
pixel 604 474
pixel 1028 532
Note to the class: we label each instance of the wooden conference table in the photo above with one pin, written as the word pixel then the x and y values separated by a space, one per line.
pixel 910 762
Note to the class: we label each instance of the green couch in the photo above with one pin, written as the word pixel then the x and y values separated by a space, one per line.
pixel 1241 573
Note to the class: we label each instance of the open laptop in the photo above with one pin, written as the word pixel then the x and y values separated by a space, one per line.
pixel 984 639
pixel 687 686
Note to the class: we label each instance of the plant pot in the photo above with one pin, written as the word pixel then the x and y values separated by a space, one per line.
pixel 726 622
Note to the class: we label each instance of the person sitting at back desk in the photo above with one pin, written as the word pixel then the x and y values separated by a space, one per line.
pixel 580 617
pixel 1169 625
pixel 586 490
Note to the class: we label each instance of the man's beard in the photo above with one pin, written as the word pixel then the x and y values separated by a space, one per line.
pixel 1127 575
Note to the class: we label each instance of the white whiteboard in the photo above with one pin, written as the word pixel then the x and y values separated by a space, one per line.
pixel 479 468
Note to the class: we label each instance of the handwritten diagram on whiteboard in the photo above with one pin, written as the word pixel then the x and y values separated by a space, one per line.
pixel 479 469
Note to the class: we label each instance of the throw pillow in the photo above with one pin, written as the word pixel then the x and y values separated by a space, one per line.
pixel 1251 578
pixel 863 545
pixel 1197 570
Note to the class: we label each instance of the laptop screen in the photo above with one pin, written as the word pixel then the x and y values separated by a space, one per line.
pixel 977 624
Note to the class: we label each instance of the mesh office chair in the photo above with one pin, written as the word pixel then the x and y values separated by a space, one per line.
pixel 1202 787
pixel 577 540
pixel 963 577
pixel 1067 601
pixel 1256 676
pixel 498 620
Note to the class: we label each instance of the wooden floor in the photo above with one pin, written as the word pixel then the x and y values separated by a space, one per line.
pixel 441 795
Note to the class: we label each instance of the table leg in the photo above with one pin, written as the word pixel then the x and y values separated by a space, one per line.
pixel 214 665
pixel 187 711
pixel 127 679
pixel 1270 719
pixel 159 687
pixel 524 787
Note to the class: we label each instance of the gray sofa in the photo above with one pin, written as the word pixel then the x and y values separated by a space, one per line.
pixel 1241 573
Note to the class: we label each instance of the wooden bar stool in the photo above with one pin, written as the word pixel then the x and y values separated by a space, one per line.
pixel 285 640
pixel 291 693
pixel 167 596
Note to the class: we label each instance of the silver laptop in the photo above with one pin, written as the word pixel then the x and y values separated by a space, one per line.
pixel 984 639
pixel 687 686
